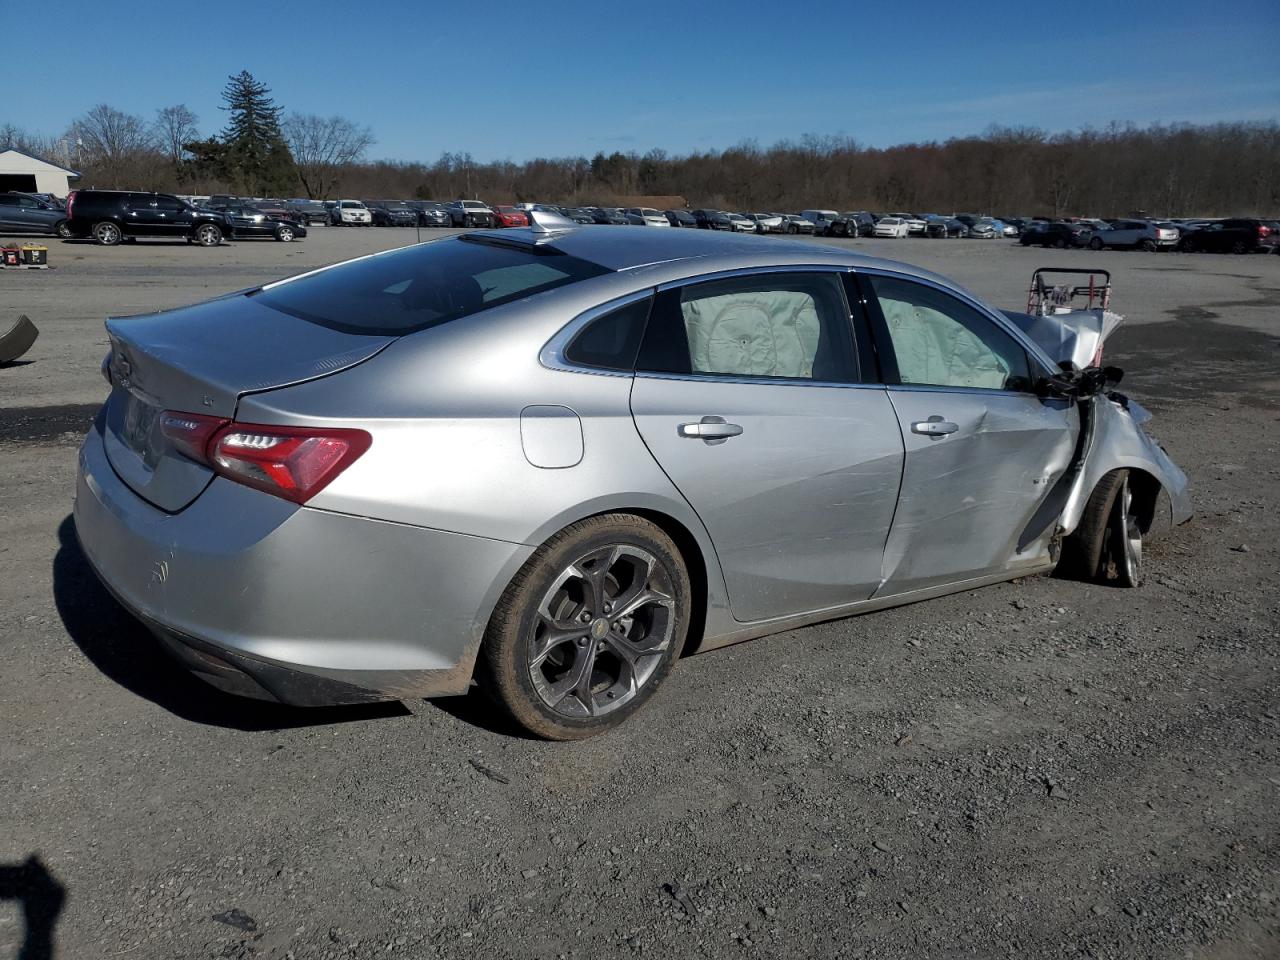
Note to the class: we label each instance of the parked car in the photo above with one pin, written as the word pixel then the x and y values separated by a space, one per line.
pixel 1003 229
pixel 1057 234
pixel 821 220
pixel 247 222
pixel 766 222
pixel 858 223
pixel 580 215
pixel 350 213
pixel 915 225
pixel 470 213
pixel 1237 235
pixel 646 217
pixel 25 213
pixel 983 228
pixel 221 475
pixel 431 213
pixel 608 216
pixel 109 216
pixel 309 211
pixel 680 218
pixel 741 224
pixel 945 228
pixel 894 227
pixel 392 213
pixel 712 220
pixel 509 216
pixel 1135 234
pixel 794 223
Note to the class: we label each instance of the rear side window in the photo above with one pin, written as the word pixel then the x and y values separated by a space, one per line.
pixel 611 341
pixel 423 286
pixel 790 326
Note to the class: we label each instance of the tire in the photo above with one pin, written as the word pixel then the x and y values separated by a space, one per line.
pixel 1096 244
pixel 581 683
pixel 62 230
pixel 285 234
pixel 1239 247
pixel 792 228
pixel 1060 244
pixel 1147 246
pixel 107 233
pixel 208 235
pixel 1106 546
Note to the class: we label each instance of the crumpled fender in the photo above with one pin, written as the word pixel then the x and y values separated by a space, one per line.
pixel 1115 441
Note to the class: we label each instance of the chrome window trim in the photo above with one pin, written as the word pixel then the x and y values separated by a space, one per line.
pixel 553 356
pixel 1001 321
pixel 767 381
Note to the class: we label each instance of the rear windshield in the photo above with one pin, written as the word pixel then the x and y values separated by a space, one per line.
pixel 423 286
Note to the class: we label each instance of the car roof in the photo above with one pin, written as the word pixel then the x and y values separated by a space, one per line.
pixel 683 252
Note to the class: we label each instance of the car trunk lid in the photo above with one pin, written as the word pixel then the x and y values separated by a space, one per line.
pixel 201 360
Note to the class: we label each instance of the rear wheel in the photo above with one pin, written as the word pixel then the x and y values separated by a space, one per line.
pixel 589 627
pixel 1060 243
pixel 284 234
pixel 1148 246
pixel 1096 243
pixel 208 235
pixel 107 233
pixel 1106 546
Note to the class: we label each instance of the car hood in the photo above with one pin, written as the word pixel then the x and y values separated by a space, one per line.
pixel 1075 337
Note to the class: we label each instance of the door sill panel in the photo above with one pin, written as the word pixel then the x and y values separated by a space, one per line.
pixel 764 628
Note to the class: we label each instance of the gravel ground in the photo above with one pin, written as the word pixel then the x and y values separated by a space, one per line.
pixel 1036 769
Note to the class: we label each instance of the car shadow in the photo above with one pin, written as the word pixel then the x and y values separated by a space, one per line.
pixel 41 897
pixel 126 652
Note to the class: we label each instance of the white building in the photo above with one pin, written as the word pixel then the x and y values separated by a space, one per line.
pixel 19 171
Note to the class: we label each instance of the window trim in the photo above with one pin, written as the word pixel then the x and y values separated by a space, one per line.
pixel 552 356
pixel 887 356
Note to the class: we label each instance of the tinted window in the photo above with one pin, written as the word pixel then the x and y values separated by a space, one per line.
pixel 168 203
pixel 423 285
pixel 141 203
pixel 8 201
pixel 611 341
pixel 791 326
pixel 941 341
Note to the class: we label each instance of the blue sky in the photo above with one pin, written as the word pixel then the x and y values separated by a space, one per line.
pixel 516 80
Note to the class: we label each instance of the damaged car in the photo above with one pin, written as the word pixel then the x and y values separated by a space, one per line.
pixel 550 460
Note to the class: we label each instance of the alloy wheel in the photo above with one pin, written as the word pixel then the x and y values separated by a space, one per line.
pixel 601 630
pixel 1128 540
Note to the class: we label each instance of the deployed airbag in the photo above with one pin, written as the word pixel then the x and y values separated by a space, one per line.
pixel 932 348
pixel 761 334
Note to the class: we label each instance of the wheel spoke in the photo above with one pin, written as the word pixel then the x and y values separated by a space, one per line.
pixel 554 636
pixel 578 680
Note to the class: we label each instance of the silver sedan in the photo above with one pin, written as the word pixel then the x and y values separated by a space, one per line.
pixel 552 459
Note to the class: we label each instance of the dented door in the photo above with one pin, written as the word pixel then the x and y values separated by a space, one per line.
pixel 968 493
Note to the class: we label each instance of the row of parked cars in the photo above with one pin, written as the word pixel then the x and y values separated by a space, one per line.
pixel 1229 235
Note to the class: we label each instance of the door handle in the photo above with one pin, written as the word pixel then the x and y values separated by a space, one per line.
pixel 710 430
pixel 935 427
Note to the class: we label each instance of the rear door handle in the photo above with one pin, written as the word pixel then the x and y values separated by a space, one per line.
pixel 710 430
pixel 935 427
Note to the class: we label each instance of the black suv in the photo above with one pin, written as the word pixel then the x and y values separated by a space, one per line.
pixel 1242 235
pixel 392 213
pixel 859 223
pixel 1056 234
pixel 109 216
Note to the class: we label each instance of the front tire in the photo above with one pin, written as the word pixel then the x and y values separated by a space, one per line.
pixel 1106 546
pixel 107 233
pixel 589 628
pixel 62 230
pixel 1096 243
pixel 285 234
pixel 208 235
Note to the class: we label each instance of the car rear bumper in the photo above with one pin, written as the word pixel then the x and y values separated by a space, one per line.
pixel 264 598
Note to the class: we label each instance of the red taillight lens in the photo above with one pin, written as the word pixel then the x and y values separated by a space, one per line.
pixel 71 199
pixel 1263 230
pixel 295 463
pixel 190 432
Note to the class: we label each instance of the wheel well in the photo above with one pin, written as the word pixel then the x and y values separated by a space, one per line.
pixel 694 562
pixel 1146 494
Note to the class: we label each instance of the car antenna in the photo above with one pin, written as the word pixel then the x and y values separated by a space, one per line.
pixel 544 224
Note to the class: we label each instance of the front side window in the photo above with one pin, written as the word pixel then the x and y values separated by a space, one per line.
pixel 423 285
pixel 792 326
pixel 940 341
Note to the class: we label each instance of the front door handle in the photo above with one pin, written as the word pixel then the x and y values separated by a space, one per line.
pixel 935 427
pixel 710 430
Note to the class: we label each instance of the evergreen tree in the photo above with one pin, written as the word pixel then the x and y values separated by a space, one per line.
pixel 256 158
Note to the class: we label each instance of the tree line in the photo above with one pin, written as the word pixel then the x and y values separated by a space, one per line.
pixel 1171 170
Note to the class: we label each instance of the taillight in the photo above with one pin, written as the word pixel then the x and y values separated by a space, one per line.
pixel 295 463
pixel 190 433
pixel 71 199
pixel 1263 230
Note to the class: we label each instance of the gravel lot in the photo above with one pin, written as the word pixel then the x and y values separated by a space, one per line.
pixel 1037 769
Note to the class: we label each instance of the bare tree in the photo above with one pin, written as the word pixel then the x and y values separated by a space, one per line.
pixel 322 148
pixel 175 127
pixel 117 146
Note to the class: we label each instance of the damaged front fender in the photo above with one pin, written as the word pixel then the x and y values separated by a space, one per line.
pixel 1114 440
